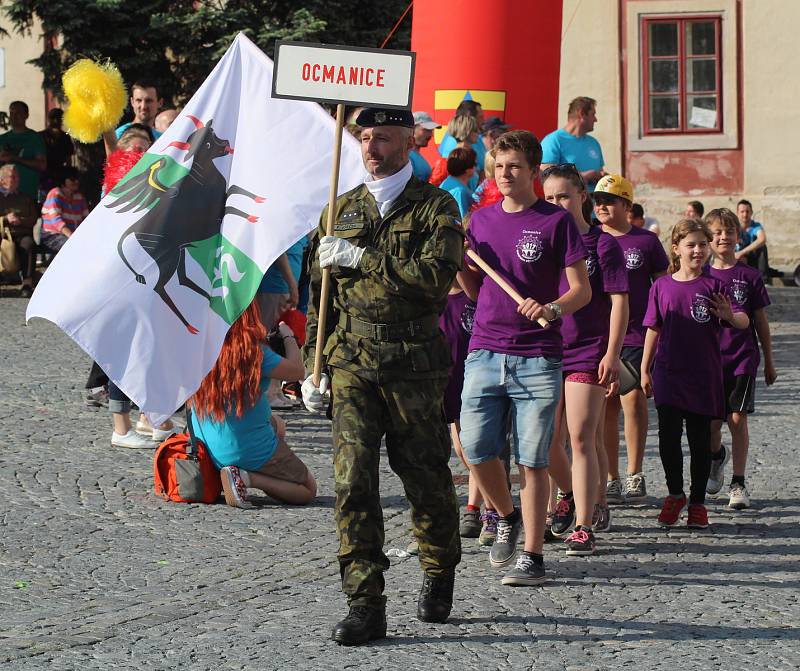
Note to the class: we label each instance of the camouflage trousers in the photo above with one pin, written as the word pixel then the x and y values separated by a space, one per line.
pixel 409 414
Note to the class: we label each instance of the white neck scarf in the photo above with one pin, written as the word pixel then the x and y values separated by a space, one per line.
pixel 385 191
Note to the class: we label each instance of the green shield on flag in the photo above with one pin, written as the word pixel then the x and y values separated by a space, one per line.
pixel 234 276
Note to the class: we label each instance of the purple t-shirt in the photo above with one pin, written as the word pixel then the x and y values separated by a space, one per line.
pixel 644 256
pixel 529 249
pixel 745 288
pixel 585 332
pixel 687 372
pixel 456 324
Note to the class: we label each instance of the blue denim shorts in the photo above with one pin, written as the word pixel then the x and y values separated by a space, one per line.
pixel 499 387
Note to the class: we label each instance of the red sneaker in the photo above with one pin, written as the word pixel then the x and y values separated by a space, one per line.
pixel 671 511
pixel 698 516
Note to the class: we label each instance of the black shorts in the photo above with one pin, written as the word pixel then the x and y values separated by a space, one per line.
pixel 633 357
pixel 740 394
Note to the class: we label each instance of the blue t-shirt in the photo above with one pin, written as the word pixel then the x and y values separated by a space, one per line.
pixel 273 282
pixel 421 167
pixel 449 143
pixel 748 236
pixel 248 441
pixel 125 126
pixel 563 147
pixel 460 192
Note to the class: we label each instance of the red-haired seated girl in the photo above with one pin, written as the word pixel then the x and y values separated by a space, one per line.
pixel 232 417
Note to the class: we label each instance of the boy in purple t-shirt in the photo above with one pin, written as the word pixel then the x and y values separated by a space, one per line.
pixel 740 357
pixel 514 365
pixel 683 323
pixel 646 261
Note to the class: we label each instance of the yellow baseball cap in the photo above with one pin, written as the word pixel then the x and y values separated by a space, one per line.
pixel 615 185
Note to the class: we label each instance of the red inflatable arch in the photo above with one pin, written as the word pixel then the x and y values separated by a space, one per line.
pixel 503 54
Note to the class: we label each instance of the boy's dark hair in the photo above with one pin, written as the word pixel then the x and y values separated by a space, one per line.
pixel 145 84
pixel 67 172
pixel 744 201
pixel 522 141
pixel 20 103
pixel 637 211
pixel 697 206
pixel 468 107
pixel 460 160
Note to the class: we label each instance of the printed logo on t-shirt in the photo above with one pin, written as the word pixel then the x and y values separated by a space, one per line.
pixel 591 264
pixel 701 311
pixel 593 153
pixel 468 317
pixel 634 258
pixel 739 291
pixel 530 247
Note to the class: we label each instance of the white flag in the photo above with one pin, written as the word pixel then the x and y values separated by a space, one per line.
pixel 153 278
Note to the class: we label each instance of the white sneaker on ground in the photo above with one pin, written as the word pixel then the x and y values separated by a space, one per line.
pixel 132 440
pixel 280 401
pixel 716 477
pixel 160 435
pixel 739 497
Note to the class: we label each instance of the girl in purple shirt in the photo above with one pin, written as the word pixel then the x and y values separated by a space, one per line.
pixel 683 332
pixel 592 343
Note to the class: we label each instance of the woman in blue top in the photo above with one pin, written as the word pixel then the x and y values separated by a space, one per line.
pixel 234 420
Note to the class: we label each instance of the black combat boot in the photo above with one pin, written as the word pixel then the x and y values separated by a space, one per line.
pixel 435 598
pixel 362 624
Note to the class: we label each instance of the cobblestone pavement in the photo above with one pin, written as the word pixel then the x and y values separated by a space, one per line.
pixel 96 573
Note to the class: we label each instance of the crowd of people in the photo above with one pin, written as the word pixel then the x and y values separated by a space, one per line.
pixel 583 317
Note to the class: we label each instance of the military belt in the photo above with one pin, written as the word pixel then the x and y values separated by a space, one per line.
pixel 388 332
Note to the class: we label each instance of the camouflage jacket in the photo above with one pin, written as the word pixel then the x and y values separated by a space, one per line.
pixel 410 260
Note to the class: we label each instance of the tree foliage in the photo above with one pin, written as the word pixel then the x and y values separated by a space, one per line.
pixel 176 43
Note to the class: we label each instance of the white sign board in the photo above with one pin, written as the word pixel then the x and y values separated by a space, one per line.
pixel 351 75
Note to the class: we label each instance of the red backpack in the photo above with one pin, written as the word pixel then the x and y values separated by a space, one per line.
pixel 183 471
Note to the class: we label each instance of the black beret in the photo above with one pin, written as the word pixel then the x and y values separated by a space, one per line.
pixel 378 116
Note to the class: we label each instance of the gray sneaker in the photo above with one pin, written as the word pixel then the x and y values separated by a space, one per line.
pixel 505 544
pixel 716 478
pixel 470 526
pixel 635 487
pixel 525 573
pixel 601 520
pixel 614 491
pixel 739 497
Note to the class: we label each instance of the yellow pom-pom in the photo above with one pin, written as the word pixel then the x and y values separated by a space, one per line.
pixel 96 99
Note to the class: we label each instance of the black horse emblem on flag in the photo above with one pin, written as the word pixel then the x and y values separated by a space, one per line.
pixel 178 212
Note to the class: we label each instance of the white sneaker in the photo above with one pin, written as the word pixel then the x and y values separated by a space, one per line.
pixel 280 401
pixel 739 497
pixel 716 477
pixel 160 435
pixel 132 440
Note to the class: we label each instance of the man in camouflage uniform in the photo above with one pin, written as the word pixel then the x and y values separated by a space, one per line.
pixel 396 249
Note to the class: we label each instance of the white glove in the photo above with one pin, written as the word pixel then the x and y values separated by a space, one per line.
pixel 335 251
pixel 313 396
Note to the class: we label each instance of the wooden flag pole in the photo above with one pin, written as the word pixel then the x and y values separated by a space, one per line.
pixel 322 318
pixel 505 286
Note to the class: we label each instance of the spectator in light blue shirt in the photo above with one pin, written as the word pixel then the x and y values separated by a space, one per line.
pixel 145 103
pixel 448 143
pixel 460 169
pixel 573 144
pixel 424 126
